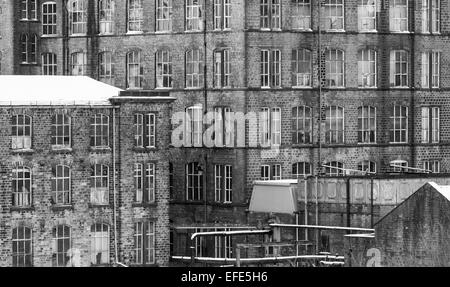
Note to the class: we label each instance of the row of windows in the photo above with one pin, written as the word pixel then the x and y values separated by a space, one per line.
pixel 336 168
pixel 61 184
pixel 333 15
pixel 270 68
pixel 302 125
pixel 65 255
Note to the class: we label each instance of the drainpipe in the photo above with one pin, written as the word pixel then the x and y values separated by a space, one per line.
pixel 116 256
pixel 348 204
pixel 371 202
pixel 205 94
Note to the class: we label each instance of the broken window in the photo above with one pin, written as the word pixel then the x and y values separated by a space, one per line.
pixel 61 246
pixel 100 185
pixel 99 244
pixel 21 132
pixel 61 185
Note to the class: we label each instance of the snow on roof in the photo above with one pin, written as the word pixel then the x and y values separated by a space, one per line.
pixel 442 189
pixel 282 182
pixel 54 90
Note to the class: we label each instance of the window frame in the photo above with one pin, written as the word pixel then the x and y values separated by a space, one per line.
pixel 194 15
pixel 222 15
pixel 430 124
pixel 270 20
pixel 99 192
pixel 330 4
pixel 26 138
pixel 365 18
pixel 402 75
pixel 66 125
pixel 163 70
pixel 194 175
pixel 301 62
pixel 163 24
pixel 135 16
pixel 395 132
pixel 145 233
pixel 194 126
pixel 367 60
pixel 64 238
pixel 339 76
pixel 49 64
pixel 75 65
pixel 395 19
pixel 133 64
pixel 145 182
pixel 24 257
pixel 270 73
pixel 367 118
pixel 222 68
pixel 61 178
pixel 100 239
pixel 49 19
pixel 296 17
pixel 335 136
pixel 304 167
pixel 22 176
pixel 194 69
pixel 102 122
pixel 106 17
pixel 79 27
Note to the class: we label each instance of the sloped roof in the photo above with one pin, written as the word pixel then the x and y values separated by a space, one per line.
pixel 54 90
pixel 442 189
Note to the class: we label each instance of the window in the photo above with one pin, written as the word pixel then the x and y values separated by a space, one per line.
pixel 145 183
pixel 194 126
pixel 49 64
pixel 78 17
pixel 430 124
pixel 399 166
pixel 367 68
pixel 367 15
pixel 134 70
pixel 301 14
pixel 301 169
pixel 49 19
pixel 105 67
pixel 334 130
pixel 61 131
pixel 270 127
pixel 399 68
pixel 145 125
pixel 270 17
pixel 22 247
pixel 301 68
pixel 163 69
pixel 434 166
pixel 135 16
pixel 367 166
pixel 301 125
pixel 28 48
pixel 334 15
pixel 21 186
pixel 106 16
pixel 334 68
pixel 29 10
pixel 194 181
pixel 367 124
pixel 334 168
pixel 223 127
pixel 163 15
pixel 194 15
pixel 223 245
pixel 434 58
pixel 271 172
pixel 223 183
pixel 399 124
pixel 194 69
pixel 21 132
pixel 144 242
pixel 398 16
pixel 78 64
pixel 61 185
pixel 100 131
pixel 222 14
pixel 431 14
pixel 222 68
pixel 100 184
pixel 99 244
pixel 200 243
pixel 270 68
pixel 62 243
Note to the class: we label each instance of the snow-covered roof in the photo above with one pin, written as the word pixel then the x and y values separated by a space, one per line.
pixel 54 90
pixel 442 189
pixel 282 182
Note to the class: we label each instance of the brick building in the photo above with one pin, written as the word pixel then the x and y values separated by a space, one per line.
pixel 70 195
pixel 364 89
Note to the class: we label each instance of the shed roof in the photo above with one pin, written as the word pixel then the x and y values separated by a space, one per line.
pixel 54 90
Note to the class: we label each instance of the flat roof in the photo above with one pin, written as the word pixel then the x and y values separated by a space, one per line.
pixel 54 90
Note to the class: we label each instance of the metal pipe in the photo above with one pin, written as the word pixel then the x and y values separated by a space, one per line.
pixel 371 203
pixel 348 203
pixel 213 227
pixel 255 260
pixel 229 233
pixel 116 255
pixel 317 214
pixel 323 227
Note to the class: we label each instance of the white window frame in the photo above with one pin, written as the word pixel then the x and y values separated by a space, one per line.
pixel 61 238
pixel 367 124
pixel 105 67
pixel 302 125
pixel 333 59
pixel 78 17
pixel 135 16
pixel 194 192
pixel 270 14
pixel 399 16
pixel 403 163
pixel 100 185
pixel 270 126
pixel 145 182
pixel 301 20
pixel 223 245
pixel 431 14
pixel 100 124
pixel 367 165
pixel 134 70
pixel 49 18
pixel 399 114
pixel 270 68
pixel 163 15
pixel 49 64
pixel 194 126
pixel 367 68
pixel 430 124
pixel 301 61
pixel 24 40
pixel 337 171
pixel 433 165
pixel 434 69
pixel 22 243
pixel 399 78
pixel 22 138
pixel 367 15
pixel 100 243
pixel 222 15
pixel 194 15
pixel 194 69
pixel 106 16
pixel 222 68
pixel 265 172
pixel 61 122
pixel 331 15
pixel 335 126
pixel 61 178
pixel 223 127
pixel 145 254
pixel 164 69
pixel 145 127
pixel 78 63
pixel 22 178
pixel 301 169
pixel 29 10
